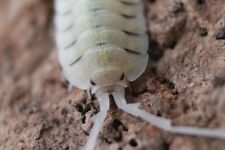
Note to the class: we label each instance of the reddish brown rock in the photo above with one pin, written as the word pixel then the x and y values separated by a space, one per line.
pixel 185 82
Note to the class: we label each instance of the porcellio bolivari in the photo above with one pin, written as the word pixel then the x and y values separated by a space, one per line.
pixel 102 45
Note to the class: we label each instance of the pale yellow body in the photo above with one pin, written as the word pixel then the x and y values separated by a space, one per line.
pixel 100 40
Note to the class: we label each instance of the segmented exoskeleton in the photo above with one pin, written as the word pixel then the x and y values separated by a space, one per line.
pixel 102 44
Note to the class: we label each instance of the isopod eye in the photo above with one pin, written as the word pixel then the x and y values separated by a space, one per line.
pixel 92 83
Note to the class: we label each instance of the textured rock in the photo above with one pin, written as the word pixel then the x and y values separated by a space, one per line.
pixel 185 81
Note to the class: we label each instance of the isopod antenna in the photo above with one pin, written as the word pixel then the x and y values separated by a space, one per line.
pixel 162 123
pixel 103 99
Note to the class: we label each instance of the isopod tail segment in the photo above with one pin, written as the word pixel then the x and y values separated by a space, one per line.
pixel 133 109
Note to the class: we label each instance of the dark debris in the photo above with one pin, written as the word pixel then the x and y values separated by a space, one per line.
pixel 220 35
pixel 203 31
pixel 200 2
pixel 218 82
pixel 177 7
pixel 133 143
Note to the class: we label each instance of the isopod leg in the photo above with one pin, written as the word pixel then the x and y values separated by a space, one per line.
pixel 98 120
pixel 163 123
pixel 130 89
pixel 70 87
pixel 89 94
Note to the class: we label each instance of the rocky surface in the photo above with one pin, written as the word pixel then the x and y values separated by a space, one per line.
pixel 185 81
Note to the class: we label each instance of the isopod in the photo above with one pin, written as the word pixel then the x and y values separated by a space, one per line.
pixel 102 45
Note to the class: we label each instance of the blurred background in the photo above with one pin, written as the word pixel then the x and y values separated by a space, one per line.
pixel 185 81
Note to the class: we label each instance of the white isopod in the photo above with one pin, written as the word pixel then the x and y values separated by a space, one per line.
pixel 102 45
